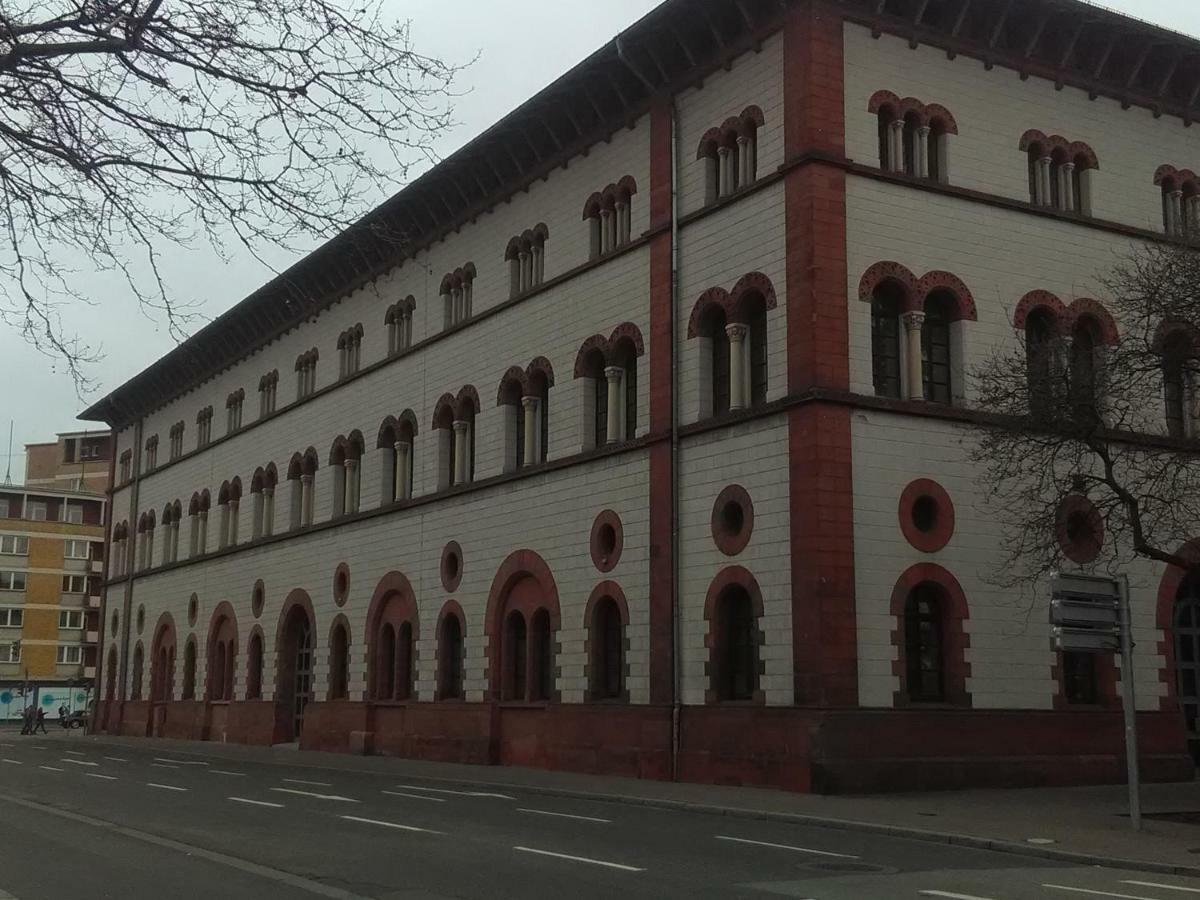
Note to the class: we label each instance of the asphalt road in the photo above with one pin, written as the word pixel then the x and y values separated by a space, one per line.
pixel 82 818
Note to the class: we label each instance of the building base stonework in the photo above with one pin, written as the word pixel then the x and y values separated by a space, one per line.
pixel 787 748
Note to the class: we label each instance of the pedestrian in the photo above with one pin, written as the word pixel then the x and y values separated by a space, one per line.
pixel 27 726
pixel 41 721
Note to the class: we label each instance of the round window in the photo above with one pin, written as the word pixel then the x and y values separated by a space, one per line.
pixel 116 621
pixel 141 618
pixel 258 599
pixel 606 541
pixel 452 566
pixel 193 609
pixel 341 584
pixel 925 513
pixel 732 520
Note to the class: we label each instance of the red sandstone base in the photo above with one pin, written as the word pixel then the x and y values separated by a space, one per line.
pixel 825 751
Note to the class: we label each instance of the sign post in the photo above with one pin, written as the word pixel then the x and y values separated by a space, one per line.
pixel 1090 614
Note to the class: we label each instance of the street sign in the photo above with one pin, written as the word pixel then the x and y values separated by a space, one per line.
pixel 1085 640
pixel 1084 613
pixel 1085 588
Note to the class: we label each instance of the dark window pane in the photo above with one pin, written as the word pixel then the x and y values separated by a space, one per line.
pixel 1079 677
pixel 758 357
pixel 923 644
pixel 720 364
pixel 885 346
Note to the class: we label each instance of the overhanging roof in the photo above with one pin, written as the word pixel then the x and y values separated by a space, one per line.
pixel 1067 41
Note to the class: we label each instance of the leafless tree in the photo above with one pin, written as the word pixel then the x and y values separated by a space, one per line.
pixel 130 127
pixel 1069 413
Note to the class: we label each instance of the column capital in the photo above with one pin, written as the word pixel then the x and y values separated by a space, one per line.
pixel 304 479
pixel 736 331
pixel 605 212
pixel 742 140
pixel 1178 194
pixel 401 446
pixel 460 426
pixel 924 130
pixel 529 402
pixel 1068 166
pixel 613 373
pixel 350 463
pixel 913 319
pixel 266 492
pixel 1045 160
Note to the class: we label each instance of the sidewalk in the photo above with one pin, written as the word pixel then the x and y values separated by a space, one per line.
pixel 1087 825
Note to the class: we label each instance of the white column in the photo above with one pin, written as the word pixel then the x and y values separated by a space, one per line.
pixel 268 516
pixel 743 155
pixel 531 429
pixel 233 521
pixel 922 149
pixel 400 484
pixel 350 504
pixel 896 132
pixel 613 374
pixel 1175 213
pixel 1043 181
pixel 606 230
pixel 306 499
pixel 1192 218
pixel 622 223
pixel 468 291
pixel 724 155
pixel 526 269
pixel 737 365
pixel 203 542
pixel 460 451
pixel 912 334
pixel 1066 186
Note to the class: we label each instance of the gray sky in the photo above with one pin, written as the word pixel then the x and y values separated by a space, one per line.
pixel 41 398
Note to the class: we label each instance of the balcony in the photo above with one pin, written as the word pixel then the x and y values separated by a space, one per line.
pixel 96 567
pixel 93 601
pixel 91 637
pixel 89 672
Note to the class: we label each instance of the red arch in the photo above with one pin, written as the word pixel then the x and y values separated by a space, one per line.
pixel 751 283
pixel 880 99
pixel 606 589
pixel 727 577
pixel 519 564
pixel 540 365
pixel 392 585
pixel 626 330
pixel 224 611
pixel 1168 588
pixel 1035 300
pixel 165 638
pixel 444 403
pixel 955 640
pixel 1093 309
pixel 888 271
pixel 964 301
pixel 467 394
pixel 517 374
pixel 595 342
pixel 714 296
pixel 937 112
pixel 297 598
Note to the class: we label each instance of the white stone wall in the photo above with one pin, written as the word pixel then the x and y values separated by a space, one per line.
pixel 993 109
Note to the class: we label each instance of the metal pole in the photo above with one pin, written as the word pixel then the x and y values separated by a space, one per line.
pixel 1129 705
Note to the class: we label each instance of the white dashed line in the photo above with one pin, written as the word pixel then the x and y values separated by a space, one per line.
pixel 13 762
pixel 417 787
pixel 79 762
pixel 302 781
pixel 395 825
pixel 162 766
pixel 255 802
pixel 226 772
pixel 414 796
pixel 1090 893
pixel 98 775
pixel 180 762
pixel 951 896
pixel 1163 887
pixel 50 768
pixel 74 753
pixel 164 787
pixel 546 812
pixel 724 837
pixel 581 859
pixel 116 758
pixel 316 795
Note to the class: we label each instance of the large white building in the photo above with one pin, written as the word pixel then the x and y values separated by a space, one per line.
pixel 630 439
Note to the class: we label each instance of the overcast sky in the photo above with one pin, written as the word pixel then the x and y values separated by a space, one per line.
pixel 41 399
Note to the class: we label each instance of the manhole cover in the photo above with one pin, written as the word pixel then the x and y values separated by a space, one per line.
pixel 845 868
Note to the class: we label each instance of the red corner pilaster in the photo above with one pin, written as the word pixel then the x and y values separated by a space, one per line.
pixel 824 627
pixel 661 351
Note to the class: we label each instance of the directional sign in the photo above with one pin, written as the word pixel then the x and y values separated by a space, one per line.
pixel 1084 613
pixel 1087 588
pixel 1085 640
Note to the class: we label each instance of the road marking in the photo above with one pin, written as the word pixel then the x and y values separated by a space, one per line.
pixel 297 882
pixel 417 787
pixel 582 859
pixel 390 824
pixel 162 766
pixel 164 787
pixel 546 812
pixel 79 762
pixel 15 762
pixel 1165 887
pixel 316 795
pixel 1075 890
pixel 180 762
pixel 225 772
pixel 117 758
pixel 98 775
pixel 302 781
pixel 414 796
pixel 951 896
pixel 50 768
pixel 255 802
pixel 725 837
pixel 74 753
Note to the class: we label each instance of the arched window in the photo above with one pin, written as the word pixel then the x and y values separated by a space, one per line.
pixel 222 658
pixel 254 667
pixel 135 692
pixel 404 661
pixel 515 652
pixel 385 662
pixel 595 399
pixel 713 328
pixel 911 135
pixel 511 399
pixel 1060 172
pixel 539 389
pixel 397 441
pixel 1084 369
pixel 450 659
pixel 939 132
pixel 735 674
pixel 541 657
pixel 607 644
pixel 887 302
pixel 924 653
pixel 935 348
pixel 346 458
pixel 189 670
pixel 625 358
pixel 457 290
pixel 1041 360
pixel 753 309
pixel 443 424
pixel 339 662
pixel 1178 362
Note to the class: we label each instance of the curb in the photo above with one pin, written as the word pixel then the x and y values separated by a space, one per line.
pixel 738 812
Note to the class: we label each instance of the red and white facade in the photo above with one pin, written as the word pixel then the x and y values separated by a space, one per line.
pixel 483 502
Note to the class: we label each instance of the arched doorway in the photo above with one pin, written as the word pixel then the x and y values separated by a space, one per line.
pixel 294 688
pixel 1186 636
